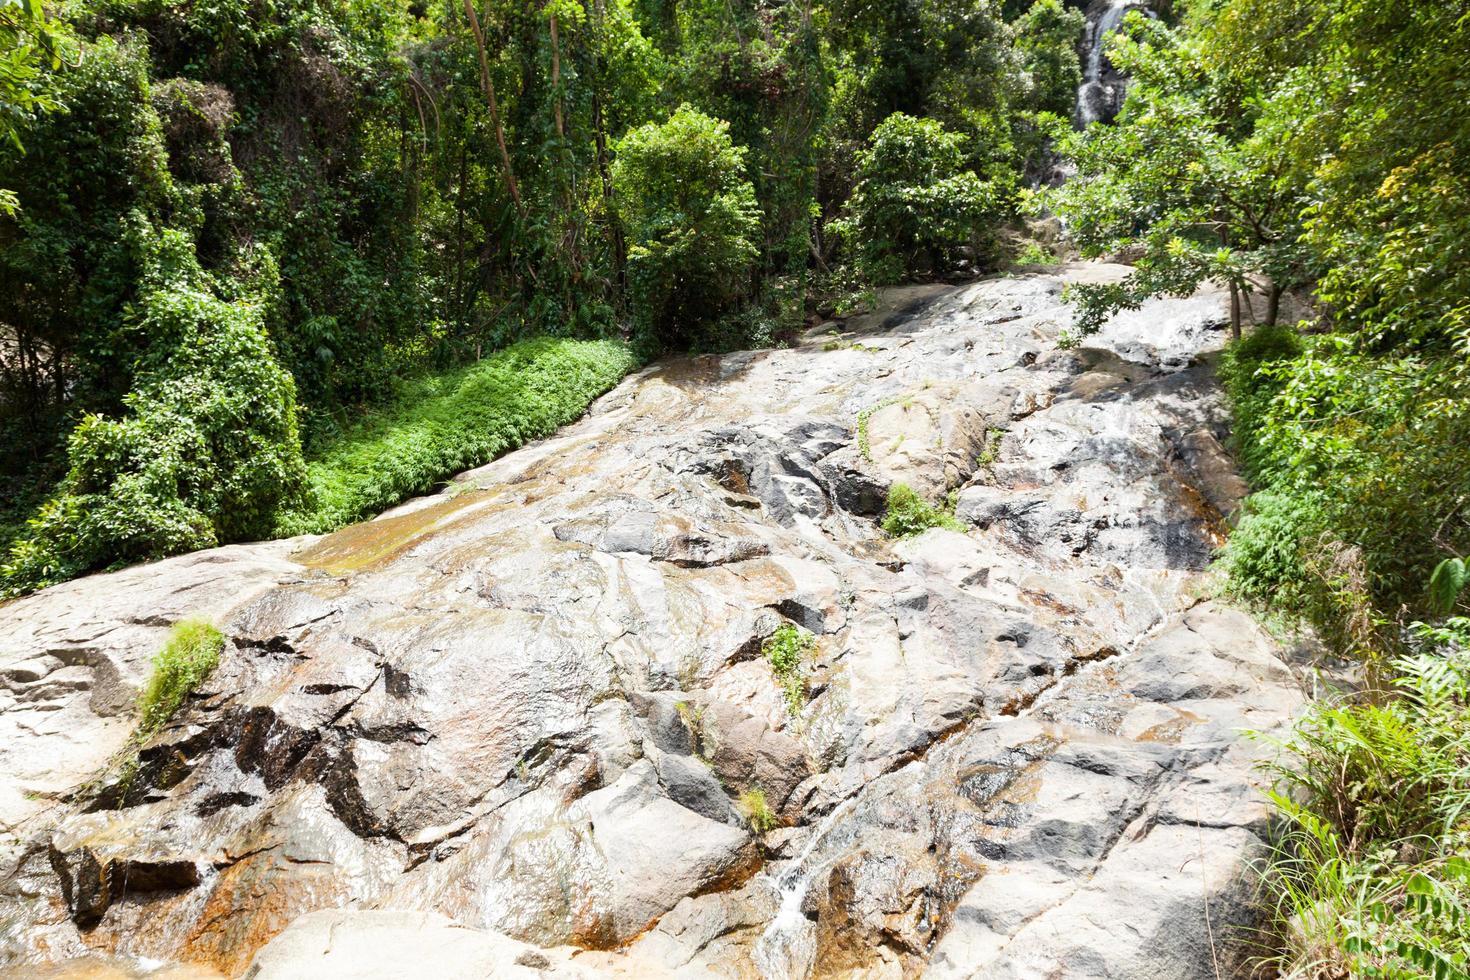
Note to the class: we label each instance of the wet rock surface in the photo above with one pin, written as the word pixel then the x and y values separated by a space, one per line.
pixel 526 724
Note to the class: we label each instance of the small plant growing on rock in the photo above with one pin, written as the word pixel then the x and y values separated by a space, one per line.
pixel 991 452
pixel 910 514
pixel 191 653
pixel 785 650
pixel 864 446
pixel 757 811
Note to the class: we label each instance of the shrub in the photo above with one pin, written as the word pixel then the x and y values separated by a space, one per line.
pixel 785 650
pixel 1263 558
pixel 206 453
pixel 916 204
pixel 1245 372
pixel 187 658
pixel 443 424
pixel 757 811
pixel 909 514
pixel 1362 457
pixel 691 221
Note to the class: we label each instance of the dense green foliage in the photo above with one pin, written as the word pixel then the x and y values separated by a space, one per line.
pixel 439 425
pixel 691 221
pixel 289 211
pixel 188 656
pixel 1047 36
pixel 916 205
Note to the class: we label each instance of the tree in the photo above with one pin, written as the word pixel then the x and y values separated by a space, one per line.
pixel 916 205
pixel 29 43
pixel 691 220
pixel 1195 172
pixel 1047 36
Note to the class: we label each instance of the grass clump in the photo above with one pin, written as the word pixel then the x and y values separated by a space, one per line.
pixel 189 656
pixel 440 425
pixel 785 650
pixel 757 811
pixel 909 514
pixel 1372 879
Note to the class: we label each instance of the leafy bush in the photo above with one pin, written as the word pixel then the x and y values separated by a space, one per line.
pixel 207 452
pixel 1371 877
pixel 1263 558
pixel 916 204
pixel 1035 254
pixel 187 658
pixel 443 424
pixel 1361 458
pixel 909 514
pixel 786 650
pixel 691 220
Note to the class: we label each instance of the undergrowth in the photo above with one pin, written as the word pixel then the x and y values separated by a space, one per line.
pixel 440 425
pixel 1371 878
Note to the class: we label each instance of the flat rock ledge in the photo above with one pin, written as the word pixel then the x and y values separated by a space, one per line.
pixel 525 727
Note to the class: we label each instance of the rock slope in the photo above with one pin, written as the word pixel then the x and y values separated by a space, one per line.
pixel 525 727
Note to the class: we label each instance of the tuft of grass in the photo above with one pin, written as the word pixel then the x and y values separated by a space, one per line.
pixel 187 658
pixel 909 514
pixel 786 650
pixel 757 811
pixel 991 452
pixel 440 425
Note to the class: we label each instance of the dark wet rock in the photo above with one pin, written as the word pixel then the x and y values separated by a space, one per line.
pixel 508 728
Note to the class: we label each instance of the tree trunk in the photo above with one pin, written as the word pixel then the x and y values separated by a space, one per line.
pixel 556 79
pixel 604 170
pixel 1273 304
pixel 1234 311
pixel 488 85
pixel 459 304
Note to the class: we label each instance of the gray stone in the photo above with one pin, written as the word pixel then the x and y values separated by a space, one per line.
pixel 508 729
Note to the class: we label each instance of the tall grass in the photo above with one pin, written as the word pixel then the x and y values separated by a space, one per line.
pixel 440 425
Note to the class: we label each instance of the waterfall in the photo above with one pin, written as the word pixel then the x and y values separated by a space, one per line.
pixel 1101 94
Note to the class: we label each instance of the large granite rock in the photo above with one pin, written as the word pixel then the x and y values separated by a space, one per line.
pixel 526 725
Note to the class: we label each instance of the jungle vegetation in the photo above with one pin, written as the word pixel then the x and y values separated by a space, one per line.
pixel 267 266
pixel 247 249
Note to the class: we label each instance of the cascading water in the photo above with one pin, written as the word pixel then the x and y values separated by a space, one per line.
pixel 1101 94
pixel 788 946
